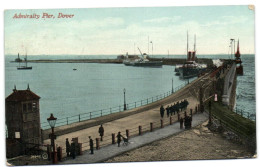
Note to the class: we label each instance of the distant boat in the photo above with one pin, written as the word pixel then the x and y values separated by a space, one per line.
pixel 143 62
pixel 74 69
pixel 24 67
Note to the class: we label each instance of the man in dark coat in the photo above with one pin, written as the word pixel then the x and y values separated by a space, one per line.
pixel 181 123
pixel 91 145
pixel 67 147
pixel 162 111
pixel 168 111
pixel 101 132
pixel 119 138
pixel 73 149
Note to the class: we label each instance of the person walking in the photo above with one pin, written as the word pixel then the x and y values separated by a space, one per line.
pixel 119 138
pixel 162 111
pixel 101 132
pixel 91 145
pixel 67 147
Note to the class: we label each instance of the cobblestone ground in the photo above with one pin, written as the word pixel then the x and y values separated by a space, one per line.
pixel 198 143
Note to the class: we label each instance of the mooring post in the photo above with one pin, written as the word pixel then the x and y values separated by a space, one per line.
pixel 79 117
pixel 59 153
pixel 127 133
pixel 151 126
pixel 161 123
pixel 67 120
pixel 80 149
pixel 97 144
pixel 113 139
pixel 170 120
pixel 140 130
pixel 101 113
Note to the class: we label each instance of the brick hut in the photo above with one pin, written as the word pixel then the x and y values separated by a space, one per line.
pixel 23 116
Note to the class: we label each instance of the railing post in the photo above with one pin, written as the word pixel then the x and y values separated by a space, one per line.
pixel 97 144
pixel 79 117
pixel 127 107
pixel 101 113
pixel 152 99
pixel 80 149
pixel 151 126
pixel 90 115
pixel 147 101
pixel 141 102
pixel 161 123
pixel 135 104
pixel 113 139
pixel 127 133
pixel 67 120
pixel 140 130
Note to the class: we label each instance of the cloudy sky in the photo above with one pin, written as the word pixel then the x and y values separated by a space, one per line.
pixel 120 30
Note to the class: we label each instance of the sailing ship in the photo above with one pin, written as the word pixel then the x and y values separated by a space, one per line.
pixel 190 68
pixel 24 67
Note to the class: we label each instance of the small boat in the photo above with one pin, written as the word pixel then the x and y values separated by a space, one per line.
pixel 24 67
pixel 74 69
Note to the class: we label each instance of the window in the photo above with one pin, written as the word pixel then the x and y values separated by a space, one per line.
pixel 29 107
pixel 24 107
pixel 34 106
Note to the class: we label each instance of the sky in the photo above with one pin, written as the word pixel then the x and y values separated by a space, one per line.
pixel 110 31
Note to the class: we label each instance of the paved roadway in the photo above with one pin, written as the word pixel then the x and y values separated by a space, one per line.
pixel 113 150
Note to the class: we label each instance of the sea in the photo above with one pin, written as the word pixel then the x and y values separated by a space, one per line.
pixel 93 87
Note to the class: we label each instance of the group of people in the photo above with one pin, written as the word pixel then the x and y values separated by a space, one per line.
pixel 73 148
pixel 170 110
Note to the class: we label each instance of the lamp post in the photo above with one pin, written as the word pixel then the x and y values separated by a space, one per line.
pixel 52 120
pixel 124 100
pixel 152 47
pixel 172 85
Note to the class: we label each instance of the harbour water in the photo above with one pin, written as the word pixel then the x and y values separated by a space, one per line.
pixel 66 92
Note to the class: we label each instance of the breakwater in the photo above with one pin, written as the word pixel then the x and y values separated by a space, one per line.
pixel 166 61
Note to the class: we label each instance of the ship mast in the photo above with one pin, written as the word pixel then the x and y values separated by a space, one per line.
pixel 187 45
pixel 195 43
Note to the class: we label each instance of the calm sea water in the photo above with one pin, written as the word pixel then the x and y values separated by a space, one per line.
pixel 91 87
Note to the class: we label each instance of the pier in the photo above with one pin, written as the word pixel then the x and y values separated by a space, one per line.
pixel 141 123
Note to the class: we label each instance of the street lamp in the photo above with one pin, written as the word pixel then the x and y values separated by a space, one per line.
pixel 152 47
pixel 172 85
pixel 52 120
pixel 124 100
